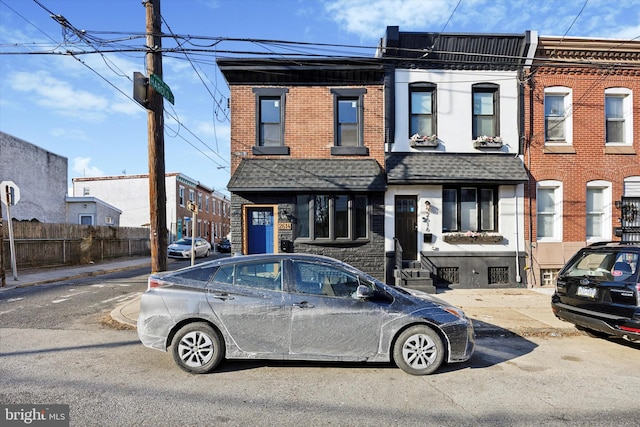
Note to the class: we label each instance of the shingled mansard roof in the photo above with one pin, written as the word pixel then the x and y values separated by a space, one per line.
pixel 295 175
pixel 454 168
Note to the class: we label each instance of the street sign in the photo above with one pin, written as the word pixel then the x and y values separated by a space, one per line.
pixel 9 187
pixel 161 87
pixel 140 83
pixel 193 207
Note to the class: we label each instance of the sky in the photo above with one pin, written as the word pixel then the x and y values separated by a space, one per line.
pixel 81 105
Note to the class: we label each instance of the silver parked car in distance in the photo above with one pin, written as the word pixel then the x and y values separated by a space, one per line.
pixel 182 248
pixel 297 307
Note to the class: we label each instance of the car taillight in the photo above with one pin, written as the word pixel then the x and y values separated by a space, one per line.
pixel 638 294
pixel 154 282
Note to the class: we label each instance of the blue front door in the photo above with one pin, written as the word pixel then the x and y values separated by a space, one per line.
pixel 260 230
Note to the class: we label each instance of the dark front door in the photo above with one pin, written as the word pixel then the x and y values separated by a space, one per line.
pixel 407 226
pixel 260 230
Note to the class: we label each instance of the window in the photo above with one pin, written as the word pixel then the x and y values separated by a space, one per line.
pixel 319 279
pixel 200 201
pixel 557 125
pixel 469 209
pixel 348 119
pixel 270 119
pixel 598 206
pixel 206 204
pixel 485 110
pixel 422 107
pixel 85 191
pixel 192 196
pixel 549 210
pixel 332 217
pixel 263 275
pixel 181 195
pixel 618 117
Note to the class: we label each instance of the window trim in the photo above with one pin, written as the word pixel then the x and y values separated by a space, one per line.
pixel 627 105
pixel 353 94
pixel 270 93
pixel 458 189
pixel 494 89
pixel 429 88
pixel 606 220
pixel 567 95
pixel 557 214
pixel 352 213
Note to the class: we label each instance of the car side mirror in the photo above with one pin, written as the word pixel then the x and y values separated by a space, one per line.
pixel 363 292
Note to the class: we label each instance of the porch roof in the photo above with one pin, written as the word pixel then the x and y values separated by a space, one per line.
pixel 296 175
pixel 454 168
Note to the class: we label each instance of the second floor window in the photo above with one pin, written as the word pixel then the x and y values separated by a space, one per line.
pixel 469 209
pixel 270 116
pixel 348 112
pixel 423 109
pixel 485 110
pixel 614 112
pixel 181 195
pixel 557 124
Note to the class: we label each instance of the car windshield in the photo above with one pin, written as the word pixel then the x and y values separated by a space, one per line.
pixel 607 266
pixel 183 242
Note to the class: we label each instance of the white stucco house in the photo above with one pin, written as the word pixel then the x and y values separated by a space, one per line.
pixel 455 196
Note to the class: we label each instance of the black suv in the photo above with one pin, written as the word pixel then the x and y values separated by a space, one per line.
pixel 598 290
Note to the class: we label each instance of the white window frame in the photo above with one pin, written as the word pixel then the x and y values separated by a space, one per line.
pixel 181 195
pixel 557 213
pixel 605 213
pixel 567 93
pixel 627 105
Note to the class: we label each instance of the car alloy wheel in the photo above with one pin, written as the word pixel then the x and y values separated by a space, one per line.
pixel 197 348
pixel 419 350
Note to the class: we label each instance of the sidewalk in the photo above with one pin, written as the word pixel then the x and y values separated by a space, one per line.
pixel 495 312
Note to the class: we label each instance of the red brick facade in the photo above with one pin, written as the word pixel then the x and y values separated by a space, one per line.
pixel 309 122
pixel 587 157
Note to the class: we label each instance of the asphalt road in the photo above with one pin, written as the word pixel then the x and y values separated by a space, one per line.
pixel 54 349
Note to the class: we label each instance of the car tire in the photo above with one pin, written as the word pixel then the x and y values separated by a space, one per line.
pixel 418 350
pixel 197 348
pixel 206 255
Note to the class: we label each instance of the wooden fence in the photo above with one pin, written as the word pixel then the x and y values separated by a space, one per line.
pixel 44 245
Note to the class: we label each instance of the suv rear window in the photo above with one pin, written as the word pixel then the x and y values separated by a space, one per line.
pixel 603 265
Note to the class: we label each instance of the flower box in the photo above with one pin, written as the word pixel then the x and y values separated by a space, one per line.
pixel 484 239
pixel 485 141
pixel 424 142
pixel 487 144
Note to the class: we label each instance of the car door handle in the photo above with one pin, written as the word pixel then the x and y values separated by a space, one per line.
pixel 303 304
pixel 223 297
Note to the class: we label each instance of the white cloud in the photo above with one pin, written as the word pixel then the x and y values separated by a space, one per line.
pixel 369 19
pixel 81 166
pixel 59 95
pixel 69 134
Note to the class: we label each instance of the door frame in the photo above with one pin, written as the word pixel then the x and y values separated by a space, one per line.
pixel 245 226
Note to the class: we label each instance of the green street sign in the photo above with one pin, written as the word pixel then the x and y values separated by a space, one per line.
pixel 161 87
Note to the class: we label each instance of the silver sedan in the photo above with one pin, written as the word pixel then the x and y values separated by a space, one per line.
pixel 182 248
pixel 297 307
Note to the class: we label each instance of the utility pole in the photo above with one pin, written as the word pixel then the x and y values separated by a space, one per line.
pixel 155 114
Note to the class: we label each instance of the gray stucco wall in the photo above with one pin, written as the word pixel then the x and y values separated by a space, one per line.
pixel 41 177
